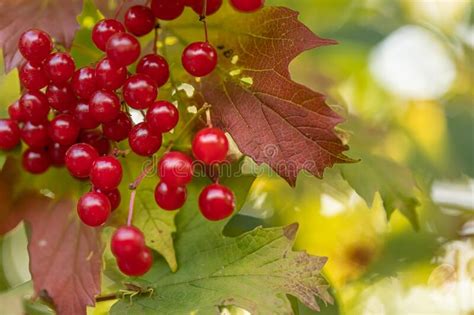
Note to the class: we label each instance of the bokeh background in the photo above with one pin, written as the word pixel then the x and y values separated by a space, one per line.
pixel 402 75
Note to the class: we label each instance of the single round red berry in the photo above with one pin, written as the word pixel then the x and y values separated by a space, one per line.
pixel 123 49
pixel 57 154
pixel 106 173
pixel 35 45
pixel 138 265
pixel 156 67
pixel 212 6
pixel 84 83
pixel 166 9
pixel 127 242
pixel 9 134
pixel 199 59
pixel 32 77
pixel 35 107
pixel 79 159
pixel 103 30
pixel 59 67
pixel 60 96
pixel 64 129
pixel 36 161
pixel 210 145
pixel 140 91
pixel 15 112
pixel 83 116
pixel 96 139
pixel 93 208
pixel 139 20
pixel 118 129
pixel 143 141
pixel 175 168
pixel 35 136
pixel 113 196
pixel 216 202
pixel 162 116
pixel 169 197
pixel 108 76
pixel 104 106
pixel 247 5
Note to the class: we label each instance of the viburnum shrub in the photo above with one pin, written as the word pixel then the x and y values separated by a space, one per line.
pixel 151 104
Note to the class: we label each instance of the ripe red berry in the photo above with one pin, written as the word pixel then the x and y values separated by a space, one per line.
pixel 59 67
pixel 32 77
pixel 199 59
pixel 138 265
pixel 35 45
pixel 34 106
pixel 79 159
pixel 60 96
pixel 166 9
pixel 104 106
pixel 103 30
pixel 123 49
pixel 96 139
pixel 113 196
pixel 143 141
pixel 35 136
pixel 140 91
pixel 15 112
pixel 162 116
pixel 36 161
pixel 216 202
pixel 169 197
pixel 139 20
pixel 83 116
pixel 57 154
pixel 106 173
pixel 9 134
pixel 108 76
pixel 211 7
pixel 93 208
pixel 64 129
pixel 175 168
pixel 247 5
pixel 210 145
pixel 118 129
pixel 84 83
pixel 156 67
pixel 127 242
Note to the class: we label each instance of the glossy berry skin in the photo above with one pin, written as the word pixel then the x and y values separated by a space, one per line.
pixel 210 145
pixel 127 242
pixel 108 76
pixel 35 45
pixel 106 173
pixel 140 91
pixel 216 202
pixel 32 77
pixel 104 106
pixel 103 30
pixel 96 139
pixel 84 83
pixel 211 7
pixel 169 197
pixel 139 20
pixel 57 154
pixel 156 67
pixel 143 141
pixel 83 116
pixel 79 159
pixel 15 112
pixel 118 129
pixel 113 196
pixel 123 49
pixel 59 67
pixel 162 116
pixel 166 9
pixel 9 134
pixel 64 129
pixel 34 106
pixel 175 168
pixel 60 96
pixel 93 208
pixel 199 59
pixel 247 5
pixel 138 265
pixel 36 161
pixel 35 136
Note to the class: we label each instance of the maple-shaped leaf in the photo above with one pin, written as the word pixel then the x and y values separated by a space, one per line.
pixel 57 17
pixel 254 271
